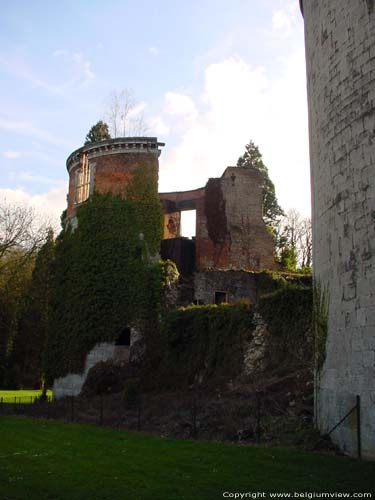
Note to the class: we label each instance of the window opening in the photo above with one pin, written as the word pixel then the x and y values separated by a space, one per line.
pixel 188 223
pixel 221 297
pixel 83 181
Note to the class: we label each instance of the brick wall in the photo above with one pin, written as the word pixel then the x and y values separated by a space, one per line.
pixel 113 164
pixel 230 232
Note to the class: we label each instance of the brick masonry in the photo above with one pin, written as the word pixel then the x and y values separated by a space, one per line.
pixel 112 165
pixel 340 55
pixel 230 232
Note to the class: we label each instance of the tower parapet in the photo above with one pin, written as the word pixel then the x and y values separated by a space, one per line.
pixel 109 166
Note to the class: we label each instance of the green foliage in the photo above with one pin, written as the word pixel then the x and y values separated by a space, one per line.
pixel 320 322
pixel 205 341
pixel 15 276
pixel 31 337
pixel 288 315
pixel 252 158
pixel 288 258
pixel 104 280
pixel 98 132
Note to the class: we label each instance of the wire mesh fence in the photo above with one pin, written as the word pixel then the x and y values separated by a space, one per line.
pixel 194 414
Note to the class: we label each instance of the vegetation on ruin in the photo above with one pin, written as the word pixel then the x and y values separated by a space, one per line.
pixel 45 459
pixel 204 341
pixel 98 132
pixel 104 280
pixel 207 343
pixel 288 315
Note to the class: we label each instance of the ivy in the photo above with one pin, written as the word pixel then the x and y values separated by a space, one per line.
pixel 288 315
pixel 204 341
pixel 104 280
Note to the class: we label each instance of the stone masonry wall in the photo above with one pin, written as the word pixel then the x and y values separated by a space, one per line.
pixel 340 54
pixel 239 285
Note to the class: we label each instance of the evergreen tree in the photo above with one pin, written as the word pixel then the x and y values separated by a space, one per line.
pixel 98 132
pixel 252 158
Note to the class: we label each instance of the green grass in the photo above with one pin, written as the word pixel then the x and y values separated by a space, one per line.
pixel 22 396
pixel 53 460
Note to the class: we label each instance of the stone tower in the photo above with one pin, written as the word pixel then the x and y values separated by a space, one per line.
pixel 109 166
pixel 340 54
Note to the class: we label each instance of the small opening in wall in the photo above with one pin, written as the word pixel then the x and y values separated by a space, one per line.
pixel 188 223
pixel 124 337
pixel 221 297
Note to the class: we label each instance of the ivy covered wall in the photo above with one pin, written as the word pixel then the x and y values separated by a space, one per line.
pixel 104 280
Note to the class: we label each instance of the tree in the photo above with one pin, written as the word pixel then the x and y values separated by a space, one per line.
pixel 294 241
pixel 252 158
pixel 22 233
pixel 125 114
pixel 98 132
pixel 31 337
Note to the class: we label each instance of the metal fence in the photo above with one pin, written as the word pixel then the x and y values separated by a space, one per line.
pixel 189 415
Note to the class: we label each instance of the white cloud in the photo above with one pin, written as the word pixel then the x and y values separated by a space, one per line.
pixel 20 69
pixel 284 19
pixel 12 155
pixel 137 110
pixel 180 105
pixel 157 126
pixel 84 65
pixel 242 103
pixel 49 204
pixel 154 51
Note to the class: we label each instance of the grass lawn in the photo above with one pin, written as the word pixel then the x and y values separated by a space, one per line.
pixel 26 396
pixel 52 460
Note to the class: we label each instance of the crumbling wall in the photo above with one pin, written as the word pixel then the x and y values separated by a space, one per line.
pixel 230 231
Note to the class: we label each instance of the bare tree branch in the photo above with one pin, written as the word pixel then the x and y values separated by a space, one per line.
pixel 125 115
pixel 22 233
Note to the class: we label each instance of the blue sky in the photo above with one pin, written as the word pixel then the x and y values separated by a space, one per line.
pixel 207 75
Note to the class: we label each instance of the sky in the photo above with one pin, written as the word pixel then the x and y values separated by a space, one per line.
pixel 208 77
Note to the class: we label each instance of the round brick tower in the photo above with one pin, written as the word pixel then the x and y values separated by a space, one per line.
pixel 340 55
pixel 109 166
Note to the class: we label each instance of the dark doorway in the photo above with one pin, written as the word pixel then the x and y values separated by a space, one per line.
pixel 124 337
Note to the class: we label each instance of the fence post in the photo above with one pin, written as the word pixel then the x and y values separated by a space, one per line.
pixel 258 416
pixel 194 417
pixel 359 440
pixel 139 414
pixel 72 409
pixel 1 405
pixel 101 410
